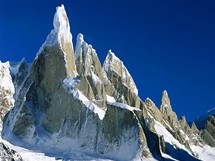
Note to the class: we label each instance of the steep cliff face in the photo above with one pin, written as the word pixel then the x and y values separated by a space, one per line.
pixel 60 38
pixel 122 81
pixel 206 126
pixel 208 133
pixel 166 110
pixel 6 91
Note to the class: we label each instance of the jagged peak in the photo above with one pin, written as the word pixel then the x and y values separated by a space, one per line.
pixel 194 127
pixel 61 38
pixel 165 94
pixel 183 121
pixel 78 47
pixel 149 102
pixel 110 53
pixel 166 109
pixel 165 101
pixel 61 21
pixel 61 34
pixel 183 118
pixel 113 64
pixel 112 57
pixel 82 47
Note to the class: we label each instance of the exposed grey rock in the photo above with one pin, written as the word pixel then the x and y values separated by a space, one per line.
pixel 92 76
pixel 166 110
pixel 207 137
pixel 194 128
pixel 206 124
pixel 212 120
pixel 201 120
pixel 6 102
pixel 116 71
pixel 210 127
pixel 162 144
pixel 7 154
pixel 6 91
pixel 208 134
pixel 154 111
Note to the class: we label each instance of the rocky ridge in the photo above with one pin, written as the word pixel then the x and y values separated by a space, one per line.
pixel 206 126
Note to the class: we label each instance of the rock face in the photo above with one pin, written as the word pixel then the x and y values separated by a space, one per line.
pixel 60 38
pixel 8 154
pixel 67 101
pixel 166 110
pixel 116 71
pixel 6 90
pixel 208 134
pixel 206 126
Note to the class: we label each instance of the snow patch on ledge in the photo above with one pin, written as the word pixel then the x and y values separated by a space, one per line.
pixel 110 99
pixel 161 130
pixel 70 86
pixel 124 106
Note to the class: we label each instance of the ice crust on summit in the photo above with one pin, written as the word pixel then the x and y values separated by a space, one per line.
pixel 61 34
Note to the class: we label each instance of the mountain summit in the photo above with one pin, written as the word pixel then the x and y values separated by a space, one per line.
pixel 68 106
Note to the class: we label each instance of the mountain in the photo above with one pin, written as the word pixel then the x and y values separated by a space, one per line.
pixel 66 105
pixel 206 124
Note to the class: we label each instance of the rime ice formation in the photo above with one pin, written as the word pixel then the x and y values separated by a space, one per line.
pixel 61 33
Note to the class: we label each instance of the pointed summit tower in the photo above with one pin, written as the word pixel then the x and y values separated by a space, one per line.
pixel 166 110
pixel 54 62
pixel 116 70
pixel 61 37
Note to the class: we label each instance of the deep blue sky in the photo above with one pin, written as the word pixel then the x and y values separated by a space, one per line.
pixel 166 44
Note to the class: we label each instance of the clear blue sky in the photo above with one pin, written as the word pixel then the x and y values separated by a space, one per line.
pixel 164 44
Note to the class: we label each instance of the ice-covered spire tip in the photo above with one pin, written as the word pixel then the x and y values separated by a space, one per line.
pixel 111 54
pixel 61 34
pixel 165 92
pixel 61 21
